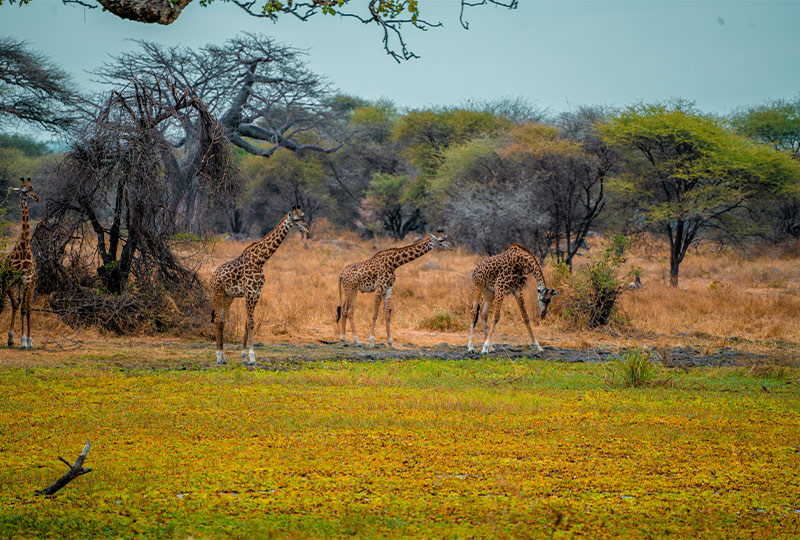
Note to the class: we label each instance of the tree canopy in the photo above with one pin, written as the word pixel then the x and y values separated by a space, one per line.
pixel 687 172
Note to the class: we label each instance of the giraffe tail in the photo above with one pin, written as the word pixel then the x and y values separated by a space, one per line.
pixel 212 314
pixel 339 307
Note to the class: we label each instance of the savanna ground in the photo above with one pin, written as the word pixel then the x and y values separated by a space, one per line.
pixel 320 440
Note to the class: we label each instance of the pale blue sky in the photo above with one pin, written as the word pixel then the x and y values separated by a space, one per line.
pixel 558 54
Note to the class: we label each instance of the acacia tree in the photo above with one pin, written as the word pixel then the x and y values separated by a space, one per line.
pixel 261 92
pixel 33 89
pixel 776 123
pixel 391 17
pixel 687 173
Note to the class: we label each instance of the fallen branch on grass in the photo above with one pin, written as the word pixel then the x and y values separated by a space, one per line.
pixel 74 472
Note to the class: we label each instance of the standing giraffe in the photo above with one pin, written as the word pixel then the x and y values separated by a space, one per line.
pixel 377 274
pixel 243 277
pixel 18 273
pixel 502 274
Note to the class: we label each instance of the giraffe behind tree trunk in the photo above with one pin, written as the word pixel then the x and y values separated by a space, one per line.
pixel 19 272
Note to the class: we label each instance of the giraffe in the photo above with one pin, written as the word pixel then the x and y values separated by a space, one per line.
pixel 18 274
pixel 243 277
pixel 377 274
pixel 502 274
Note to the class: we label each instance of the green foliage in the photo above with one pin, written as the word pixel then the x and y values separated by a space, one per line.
pixel 687 166
pixel 426 134
pixel 388 189
pixel 277 183
pixel 380 114
pixel 28 146
pixel 389 205
pixel 688 172
pixel 776 123
pixel 636 367
pixel 345 449
pixel 593 289
pixel 462 161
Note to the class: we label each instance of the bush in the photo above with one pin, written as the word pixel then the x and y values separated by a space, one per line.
pixel 592 290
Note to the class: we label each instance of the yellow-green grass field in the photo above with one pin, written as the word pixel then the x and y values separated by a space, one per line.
pixel 413 449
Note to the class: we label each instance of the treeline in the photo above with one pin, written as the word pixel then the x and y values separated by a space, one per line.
pixel 225 138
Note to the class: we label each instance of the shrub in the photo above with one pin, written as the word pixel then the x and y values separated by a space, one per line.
pixel 593 290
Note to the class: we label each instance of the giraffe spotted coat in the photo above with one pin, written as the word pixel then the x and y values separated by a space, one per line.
pixel 243 278
pixel 376 274
pixel 495 277
pixel 18 272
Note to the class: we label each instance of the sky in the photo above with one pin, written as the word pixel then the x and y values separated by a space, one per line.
pixel 559 55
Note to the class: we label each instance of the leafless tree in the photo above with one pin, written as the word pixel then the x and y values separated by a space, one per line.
pixel 492 205
pixel 392 17
pixel 516 109
pixel 33 89
pixel 261 92
pixel 106 245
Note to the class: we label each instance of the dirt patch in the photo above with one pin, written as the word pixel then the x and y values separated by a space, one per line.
pixel 180 355
pixel 287 355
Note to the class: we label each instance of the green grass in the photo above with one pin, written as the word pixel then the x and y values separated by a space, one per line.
pixel 478 448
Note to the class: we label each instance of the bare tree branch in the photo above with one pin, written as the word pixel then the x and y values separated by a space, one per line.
pixel 73 472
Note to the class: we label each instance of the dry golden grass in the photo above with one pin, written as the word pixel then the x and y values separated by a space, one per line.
pixel 750 300
pixel 720 296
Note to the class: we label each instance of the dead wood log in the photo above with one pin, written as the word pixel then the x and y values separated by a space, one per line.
pixel 73 472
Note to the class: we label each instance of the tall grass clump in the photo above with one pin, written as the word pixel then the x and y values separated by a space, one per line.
pixel 636 367
pixel 593 289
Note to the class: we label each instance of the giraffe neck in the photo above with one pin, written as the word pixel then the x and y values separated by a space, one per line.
pixel 263 249
pixel 533 267
pixel 406 254
pixel 25 234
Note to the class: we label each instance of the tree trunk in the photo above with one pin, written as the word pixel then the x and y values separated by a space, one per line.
pixel 673 271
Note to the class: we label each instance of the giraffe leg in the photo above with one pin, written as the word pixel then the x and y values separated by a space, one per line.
pixel 476 304
pixel 352 322
pixel 521 303
pixel 14 306
pixel 376 306
pixel 343 320
pixel 248 354
pixel 25 317
pixel 498 306
pixel 488 302
pixel 387 315
pixel 221 305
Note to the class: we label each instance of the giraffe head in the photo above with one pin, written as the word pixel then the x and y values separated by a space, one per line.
pixel 440 241
pixel 545 295
pixel 295 219
pixel 26 191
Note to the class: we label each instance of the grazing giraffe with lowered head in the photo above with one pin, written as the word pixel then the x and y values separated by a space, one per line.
pixel 18 272
pixel 243 277
pixel 377 274
pixel 502 274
